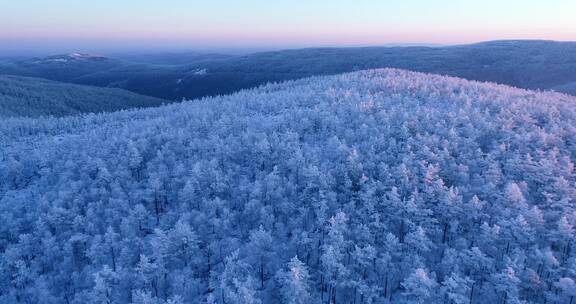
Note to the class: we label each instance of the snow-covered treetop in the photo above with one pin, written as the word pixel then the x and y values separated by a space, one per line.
pixel 381 186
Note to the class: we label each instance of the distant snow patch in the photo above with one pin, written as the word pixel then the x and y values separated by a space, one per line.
pixel 84 56
pixel 57 60
pixel 200 72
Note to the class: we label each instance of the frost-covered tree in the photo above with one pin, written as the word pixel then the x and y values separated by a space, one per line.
pixel 294 283
pixel 389 186
pixel 419 287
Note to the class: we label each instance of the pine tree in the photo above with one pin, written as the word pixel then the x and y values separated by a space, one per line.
pixel 294 282
pixel 419 287
pixel 458 289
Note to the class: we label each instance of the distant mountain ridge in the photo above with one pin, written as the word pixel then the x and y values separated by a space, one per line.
pixel 70 57
pixel 32 97
pixel 530 64
pixel 170 58
pixel 66 67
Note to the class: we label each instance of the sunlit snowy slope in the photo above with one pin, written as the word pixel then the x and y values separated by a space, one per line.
pixel 380 186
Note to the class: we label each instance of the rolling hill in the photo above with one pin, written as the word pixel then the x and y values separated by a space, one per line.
pixel 537 65
pixel 169 58
pixel 59 67
pixel 526 64
pixel 380 186
pixel 31 97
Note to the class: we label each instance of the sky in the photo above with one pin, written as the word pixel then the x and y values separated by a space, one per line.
pixel 51 25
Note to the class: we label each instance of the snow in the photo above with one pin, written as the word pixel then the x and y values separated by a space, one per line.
pixel 84 56
pixel 200 72
pixel 60 60
pixel 381 186
pixel 67 58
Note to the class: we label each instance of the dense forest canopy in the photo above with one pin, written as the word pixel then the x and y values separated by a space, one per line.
pixel 33 97
pixel 381 186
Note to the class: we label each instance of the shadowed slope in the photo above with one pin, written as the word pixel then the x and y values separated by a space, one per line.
pixel 31 97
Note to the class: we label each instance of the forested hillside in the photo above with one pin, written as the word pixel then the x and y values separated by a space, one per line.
pixel 32 97
pixel 380 186
pixel 538 65
pixel 530 64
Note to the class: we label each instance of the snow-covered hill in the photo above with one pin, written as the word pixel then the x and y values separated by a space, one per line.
pixel 68 58
pixel 32 97
pixel 380 186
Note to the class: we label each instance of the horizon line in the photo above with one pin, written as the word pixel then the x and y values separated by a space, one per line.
pixel 148 47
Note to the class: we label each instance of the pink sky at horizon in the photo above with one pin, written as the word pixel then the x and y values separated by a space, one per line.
pixel 281 23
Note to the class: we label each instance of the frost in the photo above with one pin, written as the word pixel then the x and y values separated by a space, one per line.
pixel 381 186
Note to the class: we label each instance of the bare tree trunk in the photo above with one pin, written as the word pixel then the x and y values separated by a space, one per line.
pixel 472 293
